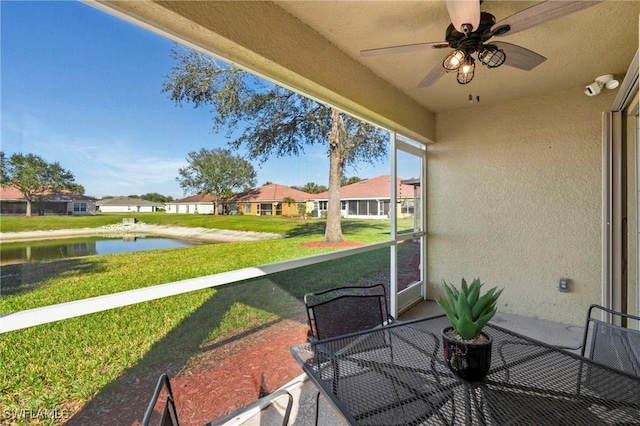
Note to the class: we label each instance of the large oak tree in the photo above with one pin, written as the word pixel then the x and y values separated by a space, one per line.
pixel 274 121
pixel 218 172
pixel 36 178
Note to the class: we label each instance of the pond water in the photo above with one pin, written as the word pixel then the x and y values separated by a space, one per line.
pixel 42 251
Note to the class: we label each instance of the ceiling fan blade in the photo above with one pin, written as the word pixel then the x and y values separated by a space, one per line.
pixel 539 14
pixel 404 48
pixel 519 57
pixel 464 12
pixel 433 76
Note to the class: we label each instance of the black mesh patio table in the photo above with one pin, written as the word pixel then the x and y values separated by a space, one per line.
pixel 396 375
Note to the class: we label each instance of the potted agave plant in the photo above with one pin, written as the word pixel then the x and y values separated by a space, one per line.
pixel 467 349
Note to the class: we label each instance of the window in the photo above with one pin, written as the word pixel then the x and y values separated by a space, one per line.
pixel 385 208
pixel 79 207
pixel 247 208
pixel 265 209
pixel 373 208
pixel 362 207
pixel 353 207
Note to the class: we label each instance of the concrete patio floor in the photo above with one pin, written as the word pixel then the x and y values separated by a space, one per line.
pixel 304 392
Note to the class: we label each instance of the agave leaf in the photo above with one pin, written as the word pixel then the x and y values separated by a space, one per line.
pixel 451 297
pixel 443 302
pixel 467 329
pixel 453 289
pixel 491 305
pixel 464 286
pixel 474 292
pixel 448 311
pixel 483 302
pixel 463 307
pixel 496 295
pixel 483 320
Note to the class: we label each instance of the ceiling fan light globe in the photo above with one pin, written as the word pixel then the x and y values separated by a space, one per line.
pixel 466 70
pixel 453 60
pixel 491 56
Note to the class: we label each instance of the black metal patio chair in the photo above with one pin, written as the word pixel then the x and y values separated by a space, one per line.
pixel 613 343
pixel 611 339
pixel 344 310
pixel 162 396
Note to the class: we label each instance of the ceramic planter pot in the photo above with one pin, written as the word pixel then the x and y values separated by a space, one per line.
pixel 467 360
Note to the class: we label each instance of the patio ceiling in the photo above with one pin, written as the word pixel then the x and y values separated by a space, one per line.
pixel 579 47
pixel 314 47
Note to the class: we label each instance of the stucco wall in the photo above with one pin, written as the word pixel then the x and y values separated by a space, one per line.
pixel 514 197
pixel 287 210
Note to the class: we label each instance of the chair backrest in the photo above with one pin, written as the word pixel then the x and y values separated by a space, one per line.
pixel 166 415
pixel 617 346
pixel 345 310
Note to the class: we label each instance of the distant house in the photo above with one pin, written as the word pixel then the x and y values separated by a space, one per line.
pixel 62 203
pixel 195 204
pixel 369 199
pixel 268 200
pixel 127 205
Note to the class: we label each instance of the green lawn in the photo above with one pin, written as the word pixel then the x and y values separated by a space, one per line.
pixel 67 363
pixel 277 224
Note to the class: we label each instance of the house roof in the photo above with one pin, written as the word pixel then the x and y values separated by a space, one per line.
pixel 198 198
pixel 126 201
pixel 11 193
pixel 272 192
pixel 377 187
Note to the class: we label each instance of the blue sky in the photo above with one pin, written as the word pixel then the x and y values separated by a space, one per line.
pixel 83 88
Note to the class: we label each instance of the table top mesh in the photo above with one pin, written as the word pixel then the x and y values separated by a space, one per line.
pixel 397 376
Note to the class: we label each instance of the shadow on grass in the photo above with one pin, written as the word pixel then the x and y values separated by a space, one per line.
pixel 26 277
pixel 189 346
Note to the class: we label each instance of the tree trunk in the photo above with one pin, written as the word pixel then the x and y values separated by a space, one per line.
pixel 28 212
pixel 333 231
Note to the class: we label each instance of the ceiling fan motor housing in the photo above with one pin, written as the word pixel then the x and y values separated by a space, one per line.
pixel 471 42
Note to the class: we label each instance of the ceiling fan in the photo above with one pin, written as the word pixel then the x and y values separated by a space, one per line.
pixel 469 33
